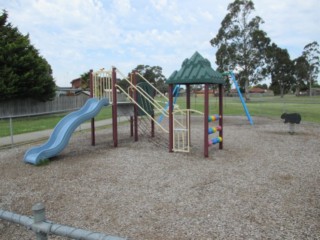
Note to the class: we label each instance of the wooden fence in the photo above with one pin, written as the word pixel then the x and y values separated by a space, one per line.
pixel 16 108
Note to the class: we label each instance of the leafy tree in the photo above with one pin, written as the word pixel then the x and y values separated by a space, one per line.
pixel 162 86
pixel 85 80
pixel 301 74
pixel 280 68
pixel 241 42
pixel 153 74
pixel 316 85
pixel 23 72
pixel 123 84
pixel 311 53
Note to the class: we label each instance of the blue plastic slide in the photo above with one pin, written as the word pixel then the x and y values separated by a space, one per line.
pixel 241 98
pixel 175 94
pixel 63 131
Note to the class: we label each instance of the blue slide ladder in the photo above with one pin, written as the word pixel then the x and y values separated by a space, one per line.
pixel 63 130
pixel 241 98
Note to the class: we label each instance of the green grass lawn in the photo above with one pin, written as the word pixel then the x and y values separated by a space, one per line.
pixel 273 106
pixel 38 123
pixel 308 107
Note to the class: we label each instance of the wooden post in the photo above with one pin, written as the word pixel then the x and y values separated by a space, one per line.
pixel 135 108
pixel 93 134
pixel 39 216
pixel 170 89
pixel 221 93
pixel 131 126
pixel 114 108
pixel 131 117
pixel 188 105
pixel 206 116
pixel 152 125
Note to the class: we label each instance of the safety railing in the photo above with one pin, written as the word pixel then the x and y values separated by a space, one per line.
pixel 102 84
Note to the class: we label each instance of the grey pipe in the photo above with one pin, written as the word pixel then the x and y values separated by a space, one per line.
pixel 47 227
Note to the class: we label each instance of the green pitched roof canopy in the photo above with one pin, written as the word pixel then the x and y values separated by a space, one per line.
pixel 196 70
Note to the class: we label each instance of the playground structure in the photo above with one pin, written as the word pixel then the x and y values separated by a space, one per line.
pixel 141 102
pixel 138 101
pixel 197 71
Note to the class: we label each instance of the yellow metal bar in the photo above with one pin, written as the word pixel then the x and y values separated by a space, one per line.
pixel 155 103
pixel 102 88
pixel 147 96
pixel 102 84
pixel 131 99
pixel 157 90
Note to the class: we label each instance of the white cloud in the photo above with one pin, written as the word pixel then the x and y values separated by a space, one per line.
pixel 206 15
pixel 122 7
pixel 159 4
pixel 78 35
pixel 290 24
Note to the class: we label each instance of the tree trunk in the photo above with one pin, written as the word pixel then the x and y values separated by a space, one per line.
pixel 281 91
pixel 310 94
pixel 297 91
pixel 246 90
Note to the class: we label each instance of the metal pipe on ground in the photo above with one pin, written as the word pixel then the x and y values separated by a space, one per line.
pixel 42 227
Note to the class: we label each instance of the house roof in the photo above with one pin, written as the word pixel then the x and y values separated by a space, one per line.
pixel 196 70
pixel 74 80
pixel 256 90
pixel 66 89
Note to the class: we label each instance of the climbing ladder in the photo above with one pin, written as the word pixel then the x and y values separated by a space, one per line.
pixel 181 131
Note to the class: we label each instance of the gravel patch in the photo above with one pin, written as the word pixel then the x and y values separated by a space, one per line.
pixel 264 184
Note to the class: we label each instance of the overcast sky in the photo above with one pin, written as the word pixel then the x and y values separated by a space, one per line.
pixel 77 35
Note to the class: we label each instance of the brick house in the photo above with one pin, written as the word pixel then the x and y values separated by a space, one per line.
pixel 76 83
